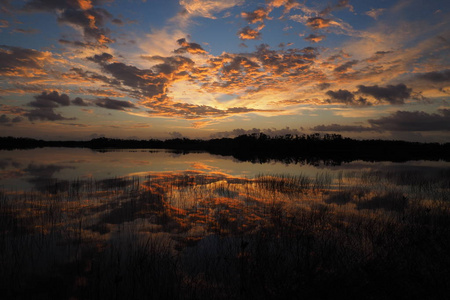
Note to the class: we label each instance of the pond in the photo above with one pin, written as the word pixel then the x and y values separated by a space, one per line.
pixel 33 169
pixel 143 224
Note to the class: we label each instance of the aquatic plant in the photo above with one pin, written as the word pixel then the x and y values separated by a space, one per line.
pixel 190 235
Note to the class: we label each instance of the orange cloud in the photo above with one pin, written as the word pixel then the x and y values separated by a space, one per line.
pixel 85 4
pixel 192 48
pixel 314 38
pixel 21 62
pixel 258 15
pixel 248 33
pixel 288 4
pixel 201 166
pixel 318 23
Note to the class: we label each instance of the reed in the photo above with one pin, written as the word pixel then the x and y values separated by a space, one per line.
pixel 199 236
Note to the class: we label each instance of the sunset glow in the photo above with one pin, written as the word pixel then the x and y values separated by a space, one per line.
pixel 210 68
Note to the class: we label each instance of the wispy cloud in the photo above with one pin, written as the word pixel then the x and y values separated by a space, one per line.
pixel 375 12
pixel 208 8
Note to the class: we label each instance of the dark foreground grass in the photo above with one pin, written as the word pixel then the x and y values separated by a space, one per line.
pixel 196 236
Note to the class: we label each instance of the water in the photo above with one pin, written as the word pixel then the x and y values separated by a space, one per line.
pixel 30 169
pixel 145 224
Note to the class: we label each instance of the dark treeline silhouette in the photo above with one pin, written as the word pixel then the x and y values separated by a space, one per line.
pixel 260 148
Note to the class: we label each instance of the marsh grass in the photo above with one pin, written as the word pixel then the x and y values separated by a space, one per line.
pixel 359 235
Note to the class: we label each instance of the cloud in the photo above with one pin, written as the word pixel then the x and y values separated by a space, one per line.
pixel 314 38
pixel 399 121
pixel 117 22
pixel 88 21
pixel 194 112
pixel 81 14
pixel 239 65
pixel 207 8
pixel 26 31
pixel 45 113
pixel 4 23
pixel 46 102
pixel 192 48
pixel 49 100
pixel 339 56
pixel 318 22
pixel 262 70
pixel 342 128
pixel 436 76
pixel 152 86
pixel 346 97
pixel 292 102
pixel 102 58
pixel 247 33
pixel 288 4
pixel 162 41
pixel 114 104
pixel 89 76
pixel 7 121
pixel 344 4
pixel 79 44
pixel 375 12
pixel 16 119
pixel 12 110
pixel 172 67
pixel 414 121
pixel 324 85
pixel 21 62
pixel 394 94
pixel 345 66
pixel 79 102
pixel 378 55
pixel 289 62
pixel 175 135
pixel 145 82
pixel 339 5
pixel 258 15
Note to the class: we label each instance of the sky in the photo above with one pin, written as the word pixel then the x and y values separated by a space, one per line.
pixel 82 69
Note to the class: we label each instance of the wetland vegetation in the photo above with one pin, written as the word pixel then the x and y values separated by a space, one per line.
pixel 358 234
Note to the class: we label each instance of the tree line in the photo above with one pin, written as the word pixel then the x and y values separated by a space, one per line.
pixel 260 148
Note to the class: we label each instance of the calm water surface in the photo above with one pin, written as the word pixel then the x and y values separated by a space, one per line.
pixel 29 169
pixel 135 224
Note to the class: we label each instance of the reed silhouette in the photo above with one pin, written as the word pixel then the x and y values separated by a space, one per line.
pixel 187 235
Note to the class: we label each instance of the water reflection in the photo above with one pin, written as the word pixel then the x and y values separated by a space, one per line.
pixel 27 169
pixel 138 225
